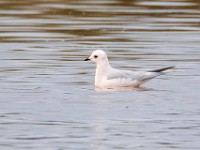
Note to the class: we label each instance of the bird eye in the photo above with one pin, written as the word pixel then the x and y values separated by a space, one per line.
pixel 95 56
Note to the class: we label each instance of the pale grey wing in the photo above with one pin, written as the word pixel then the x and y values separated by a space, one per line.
pixel 137 75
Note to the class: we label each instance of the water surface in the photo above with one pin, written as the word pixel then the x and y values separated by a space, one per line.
pixel 47 95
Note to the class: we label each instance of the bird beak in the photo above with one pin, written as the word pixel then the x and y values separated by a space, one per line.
pixel 86 59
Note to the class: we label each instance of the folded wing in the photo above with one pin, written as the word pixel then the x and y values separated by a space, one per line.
pixel 138 76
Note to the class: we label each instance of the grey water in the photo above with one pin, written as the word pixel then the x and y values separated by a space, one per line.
pixel 47 94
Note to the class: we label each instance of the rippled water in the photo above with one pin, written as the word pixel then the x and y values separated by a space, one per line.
pixel 47 96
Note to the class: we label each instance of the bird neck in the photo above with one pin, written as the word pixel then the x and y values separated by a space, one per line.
pixel 101 71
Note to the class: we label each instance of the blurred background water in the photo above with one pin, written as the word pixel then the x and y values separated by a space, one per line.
pixel 47 95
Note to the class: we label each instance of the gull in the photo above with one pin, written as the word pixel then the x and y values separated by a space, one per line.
pixel 109 77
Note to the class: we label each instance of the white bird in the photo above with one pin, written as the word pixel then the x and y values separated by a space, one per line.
pixel 109 77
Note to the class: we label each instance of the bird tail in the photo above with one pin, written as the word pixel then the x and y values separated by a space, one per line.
pixel 155 73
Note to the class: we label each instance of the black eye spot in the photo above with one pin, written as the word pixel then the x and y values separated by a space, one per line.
pixel 95 56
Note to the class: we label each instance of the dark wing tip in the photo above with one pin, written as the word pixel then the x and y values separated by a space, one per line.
pixel 162 69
